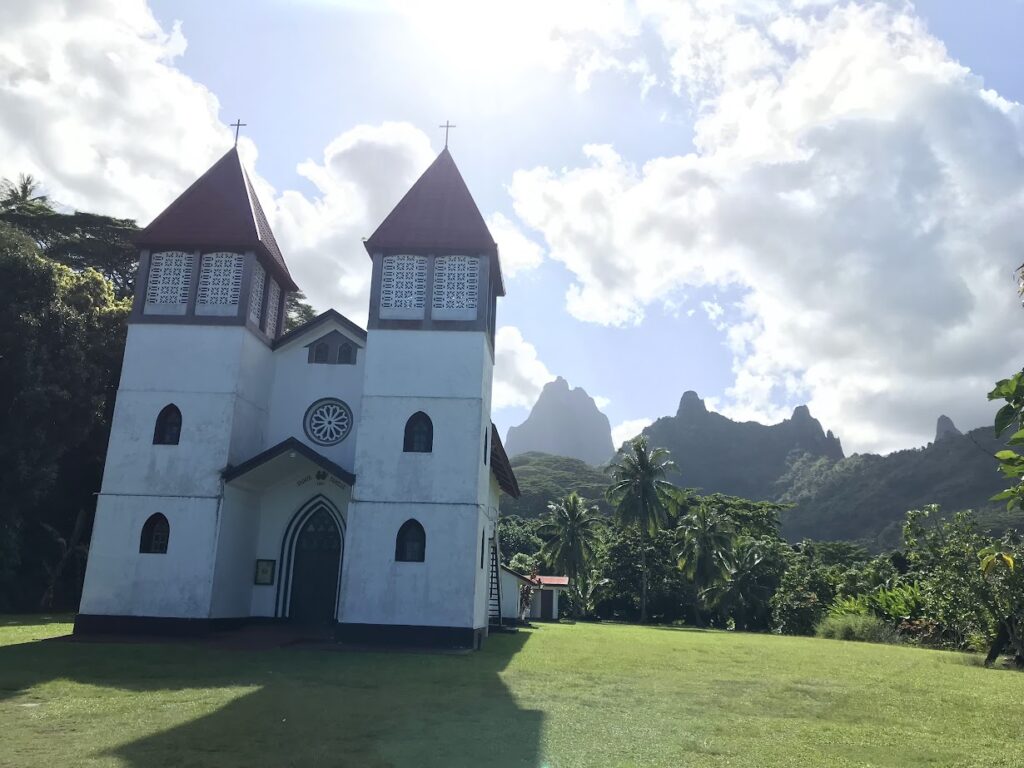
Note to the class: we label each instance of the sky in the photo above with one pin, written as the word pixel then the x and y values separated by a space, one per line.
pixel 770 202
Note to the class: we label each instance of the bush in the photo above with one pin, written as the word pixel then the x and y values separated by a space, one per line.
pixel 859 627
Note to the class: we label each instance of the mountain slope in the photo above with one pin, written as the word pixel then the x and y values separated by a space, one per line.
pixel 866 496
pixel 544 478
pixel 564 422
pixel 714 453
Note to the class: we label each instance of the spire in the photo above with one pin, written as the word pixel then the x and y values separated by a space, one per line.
pixel 437 215
pixel 220 210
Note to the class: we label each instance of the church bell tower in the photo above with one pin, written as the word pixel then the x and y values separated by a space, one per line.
pixel 424 506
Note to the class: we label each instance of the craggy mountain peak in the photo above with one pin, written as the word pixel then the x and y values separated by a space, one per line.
pixel 564 422
pixel 945 428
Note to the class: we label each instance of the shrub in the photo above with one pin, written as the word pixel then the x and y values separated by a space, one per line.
pixel 860 627
pixel 849 606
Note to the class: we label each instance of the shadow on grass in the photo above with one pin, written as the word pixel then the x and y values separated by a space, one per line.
pixel 33 619
pixel 291 707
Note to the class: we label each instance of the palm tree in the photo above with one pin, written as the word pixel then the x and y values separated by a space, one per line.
pixel 643 497
pixel 23 196
pixel 570 535
pixel 704 546
pixel 744 593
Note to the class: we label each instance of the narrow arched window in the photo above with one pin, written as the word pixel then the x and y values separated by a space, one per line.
pixel 168 426
pixel 156 532
pixel 419 434
pixel 411 543
pixel 346 355
pixel 320 353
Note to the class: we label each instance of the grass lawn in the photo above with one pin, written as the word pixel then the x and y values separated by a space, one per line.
pixel 558 695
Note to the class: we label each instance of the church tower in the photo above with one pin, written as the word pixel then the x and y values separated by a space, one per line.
pixel 197 371
pixel 424 510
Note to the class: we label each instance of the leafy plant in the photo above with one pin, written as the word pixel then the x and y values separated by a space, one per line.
pixel 864 628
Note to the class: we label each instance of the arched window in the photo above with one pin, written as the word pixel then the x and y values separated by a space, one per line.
pixel 411 543
pixel 168 426
pixel 320 353
pixel 346 355
pixel 156 532
pixel 419 434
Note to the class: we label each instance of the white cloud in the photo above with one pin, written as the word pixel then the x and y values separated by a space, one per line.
pixel 518 253
pixel 712 309
pixel 860 189
pixel 628 429
pixel 96 109
pixel 519 375
pixel 601 402
pixel 363 174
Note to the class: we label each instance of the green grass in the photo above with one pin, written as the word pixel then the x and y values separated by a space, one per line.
pixel 558 695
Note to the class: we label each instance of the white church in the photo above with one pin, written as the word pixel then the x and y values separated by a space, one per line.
pixel 330 475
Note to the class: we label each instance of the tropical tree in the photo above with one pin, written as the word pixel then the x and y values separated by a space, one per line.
pixel 23 195
pixel 570 536
pixel 704 543
pixel 643 498
pixel 61 340
pixel 755 569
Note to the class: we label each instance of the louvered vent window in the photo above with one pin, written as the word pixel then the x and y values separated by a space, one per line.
pixel 220 284
pixel 456 286
pixel 259 278
pixel 403 287
pixel 170 278
pixel 273 304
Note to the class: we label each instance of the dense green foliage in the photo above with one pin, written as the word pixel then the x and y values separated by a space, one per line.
pixel 564 696
pixel 543 477
pixel 864 628
pixel 864 497
pixel 61 337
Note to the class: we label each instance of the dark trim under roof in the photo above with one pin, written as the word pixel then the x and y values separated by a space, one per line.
pixel 323 317
pixel 501 466
pixel 291 444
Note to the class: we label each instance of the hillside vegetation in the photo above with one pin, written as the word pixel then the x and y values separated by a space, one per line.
pixel 860 498
pixel 544 478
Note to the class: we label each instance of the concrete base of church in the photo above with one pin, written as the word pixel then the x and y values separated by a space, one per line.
pixel 99 624
pixel 410 635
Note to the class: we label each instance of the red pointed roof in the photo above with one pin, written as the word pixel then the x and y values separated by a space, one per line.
pixel 436 214
pixel 220 210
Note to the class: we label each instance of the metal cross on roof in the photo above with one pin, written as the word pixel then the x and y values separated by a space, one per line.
pixel 446 126
pixel 237 125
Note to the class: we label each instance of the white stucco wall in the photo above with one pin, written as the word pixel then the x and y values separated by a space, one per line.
pixel 298 384
pixel 437 592
pixel 122 581
pixel 447 376
pixel 510 585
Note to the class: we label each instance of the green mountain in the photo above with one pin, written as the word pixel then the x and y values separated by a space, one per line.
pixel 862 498
pixel 543 478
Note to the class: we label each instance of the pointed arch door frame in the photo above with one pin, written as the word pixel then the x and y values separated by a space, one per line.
pixel 282 603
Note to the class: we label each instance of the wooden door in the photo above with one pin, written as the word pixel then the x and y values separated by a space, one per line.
pixel 315 570
pixel 547 605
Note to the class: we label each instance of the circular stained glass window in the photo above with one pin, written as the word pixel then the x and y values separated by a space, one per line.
pixel 328 421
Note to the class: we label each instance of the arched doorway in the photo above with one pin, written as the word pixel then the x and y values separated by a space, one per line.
pixel 315 569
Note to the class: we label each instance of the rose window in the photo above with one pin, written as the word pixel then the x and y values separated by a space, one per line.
pixel 328 421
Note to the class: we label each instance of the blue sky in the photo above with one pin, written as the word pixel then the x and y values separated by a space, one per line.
pixel 777 180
